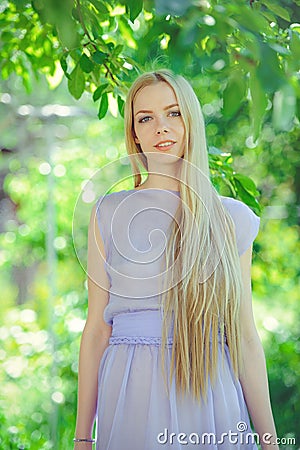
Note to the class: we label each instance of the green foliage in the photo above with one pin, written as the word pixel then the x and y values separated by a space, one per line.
pixel 249 52
pixel 254 49
pixel 230 183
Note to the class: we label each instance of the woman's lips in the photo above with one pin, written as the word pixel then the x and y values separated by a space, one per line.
pixel 165 145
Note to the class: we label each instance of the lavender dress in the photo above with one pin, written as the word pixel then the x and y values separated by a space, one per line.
pixel 134 411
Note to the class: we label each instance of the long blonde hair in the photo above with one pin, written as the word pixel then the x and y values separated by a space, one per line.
pixel 201 254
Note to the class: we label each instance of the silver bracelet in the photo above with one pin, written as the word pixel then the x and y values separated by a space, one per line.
pixel 84 440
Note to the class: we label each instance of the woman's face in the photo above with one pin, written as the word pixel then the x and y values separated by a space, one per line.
pixel 158 124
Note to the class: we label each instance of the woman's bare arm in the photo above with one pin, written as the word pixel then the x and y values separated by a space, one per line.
pixel 95 336
pixel 253 378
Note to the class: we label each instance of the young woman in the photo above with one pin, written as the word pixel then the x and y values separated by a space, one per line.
pixel 170 320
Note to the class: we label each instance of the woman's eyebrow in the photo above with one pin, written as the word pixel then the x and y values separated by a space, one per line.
pixel 171 106
pixel 143 111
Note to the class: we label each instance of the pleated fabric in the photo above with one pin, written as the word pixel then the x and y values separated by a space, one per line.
pixel 135 411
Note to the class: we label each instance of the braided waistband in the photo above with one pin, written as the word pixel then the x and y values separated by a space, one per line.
pixel 134 340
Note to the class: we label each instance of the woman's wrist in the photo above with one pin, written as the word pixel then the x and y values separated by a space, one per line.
pixel 90 440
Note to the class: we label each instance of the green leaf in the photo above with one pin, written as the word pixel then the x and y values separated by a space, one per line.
pixel 67 33
pixel 247 184
pixel 246 197
pixel 280 49
pixel 270 16
pixel 135 7
pixel 258 104
pixel 117 50
pixel 295 49
pixel 228 183
pixel 100 6
pixel 98 92
pixel 121 104
pixel 284 108
pixel 64 65
pixel 250 19
pixel 76 14
pixel 103 106
pixel 99 57
pixel 110 46
pixel 234 94
pixel 86 64
pixel 269 72
pixel 277 9
pixel 94 18
pixel 76 82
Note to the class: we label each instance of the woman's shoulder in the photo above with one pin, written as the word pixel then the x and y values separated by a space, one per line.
pixel 245 220
pixel 112 198
pixel 237 208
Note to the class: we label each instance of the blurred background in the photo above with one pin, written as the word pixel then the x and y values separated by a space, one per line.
pixel 65 72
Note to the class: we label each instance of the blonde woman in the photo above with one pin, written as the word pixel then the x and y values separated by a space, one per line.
pixel 170 356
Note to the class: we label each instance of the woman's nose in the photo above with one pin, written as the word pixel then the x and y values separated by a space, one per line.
pixel 161 131
pixel 161 128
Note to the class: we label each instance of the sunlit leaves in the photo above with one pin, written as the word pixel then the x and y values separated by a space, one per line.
pixel 228 182
pixel 241 47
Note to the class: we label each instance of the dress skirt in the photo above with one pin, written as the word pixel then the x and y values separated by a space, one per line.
pixel 135 411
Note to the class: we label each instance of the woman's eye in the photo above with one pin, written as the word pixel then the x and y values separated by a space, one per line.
pixel 175 113
pixel 144 119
